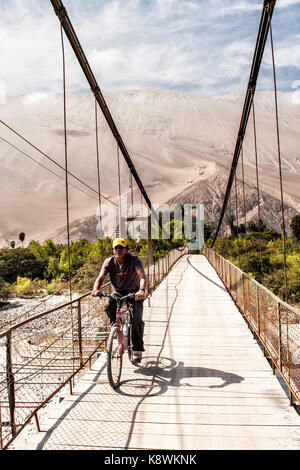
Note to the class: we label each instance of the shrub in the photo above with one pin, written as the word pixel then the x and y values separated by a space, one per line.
pixel 25 287
pixel 4 289
pixel 20 262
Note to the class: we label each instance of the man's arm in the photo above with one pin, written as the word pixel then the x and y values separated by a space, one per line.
pixel 143 282
pixel 98 283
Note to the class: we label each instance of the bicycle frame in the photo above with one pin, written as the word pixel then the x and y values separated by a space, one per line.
pixel 127 342
pixel 126 327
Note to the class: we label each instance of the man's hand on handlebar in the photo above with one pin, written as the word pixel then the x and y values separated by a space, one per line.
pixel 96 293
pixel 140 295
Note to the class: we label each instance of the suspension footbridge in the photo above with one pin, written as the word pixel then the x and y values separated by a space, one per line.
pixel 203 383
pixel 221 368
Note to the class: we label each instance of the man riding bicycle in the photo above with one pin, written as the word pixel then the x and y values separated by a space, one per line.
pixel 127 275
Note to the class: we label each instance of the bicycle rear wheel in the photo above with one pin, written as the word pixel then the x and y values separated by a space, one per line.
pixel 115 351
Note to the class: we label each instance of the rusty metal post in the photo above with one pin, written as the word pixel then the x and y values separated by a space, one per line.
pixel 257 310
pixel 1 438
pixel 158 270
pixel 150 249
pixel 10 384
pixel 37 422
pixel 288 349
pixel 279 336
pixel 243 288
pixel 79 333
pixel 70 387
pixel 148 279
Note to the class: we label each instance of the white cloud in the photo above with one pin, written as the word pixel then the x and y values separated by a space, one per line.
pixel 35 98
pixel 286 3
pixel 189 45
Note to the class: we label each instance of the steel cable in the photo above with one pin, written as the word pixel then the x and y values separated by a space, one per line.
pixel 244 206
pixel 45 167
pixel 237 220
pixel 67 186
pixel 257 188
pixel 98 179
pixel 52 160
pixel 66 159
pixel 279 156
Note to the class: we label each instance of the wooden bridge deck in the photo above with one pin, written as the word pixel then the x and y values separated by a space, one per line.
pixel 203 382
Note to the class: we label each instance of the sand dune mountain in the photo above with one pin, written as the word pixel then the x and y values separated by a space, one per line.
pixel 181 145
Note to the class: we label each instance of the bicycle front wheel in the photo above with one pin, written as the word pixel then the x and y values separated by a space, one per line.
pixel 129 342
pixel 115 351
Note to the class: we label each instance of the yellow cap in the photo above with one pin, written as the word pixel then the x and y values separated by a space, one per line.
pixel 119 241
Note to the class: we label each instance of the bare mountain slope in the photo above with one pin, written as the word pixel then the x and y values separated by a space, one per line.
pixel 211 193
pixel 177 141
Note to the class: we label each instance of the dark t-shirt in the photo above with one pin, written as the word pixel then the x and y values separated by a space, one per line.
pixel 124 277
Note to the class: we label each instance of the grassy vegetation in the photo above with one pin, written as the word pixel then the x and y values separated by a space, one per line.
pixel 42 269
pixel 272 273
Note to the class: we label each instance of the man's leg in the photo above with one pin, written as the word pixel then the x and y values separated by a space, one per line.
pixel 110 310
pixel 138 326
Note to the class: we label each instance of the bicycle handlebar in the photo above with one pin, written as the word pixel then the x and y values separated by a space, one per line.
pixel 128 296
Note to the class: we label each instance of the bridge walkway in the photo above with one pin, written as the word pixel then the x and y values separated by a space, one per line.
pixel 203 382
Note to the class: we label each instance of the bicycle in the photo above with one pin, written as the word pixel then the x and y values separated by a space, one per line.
pixel 120 338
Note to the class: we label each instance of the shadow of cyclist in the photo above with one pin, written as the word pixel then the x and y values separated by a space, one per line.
pixel 178 371
pixel 168 372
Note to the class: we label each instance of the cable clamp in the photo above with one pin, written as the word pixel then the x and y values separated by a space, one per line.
pixel 251 88
pixel 61 12
pixel 268 4
pixel 96 89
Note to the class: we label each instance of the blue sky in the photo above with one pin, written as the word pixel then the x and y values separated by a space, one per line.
pixel 198 46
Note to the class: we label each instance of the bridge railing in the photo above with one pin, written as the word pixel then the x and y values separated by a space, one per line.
pixel 43 353
pixel 274 322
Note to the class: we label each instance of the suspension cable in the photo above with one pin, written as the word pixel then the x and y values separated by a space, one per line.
pixel 67 189
pixel 52 160
pixel 99 180
pixel 65 21
pixel 257 188
pixel 120 194
pixel 237 219
pixel 45 167
pixel 66 160
pixel 98 161
pixel 268 7
pixel 132 215
pixel 279 156
pixel 244 207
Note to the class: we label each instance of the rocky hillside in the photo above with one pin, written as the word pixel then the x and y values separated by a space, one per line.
pixel 211 193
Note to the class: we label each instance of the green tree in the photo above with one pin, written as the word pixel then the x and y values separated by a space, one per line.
pixel 12 244
pixel 252 227
pixel 229 221
pixel 20 262
pixel 208 231
pixel 295 226
pixel 4 289
pixel 22 237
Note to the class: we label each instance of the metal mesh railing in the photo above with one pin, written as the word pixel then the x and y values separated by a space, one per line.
pixel 276 324
pixel 44 352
